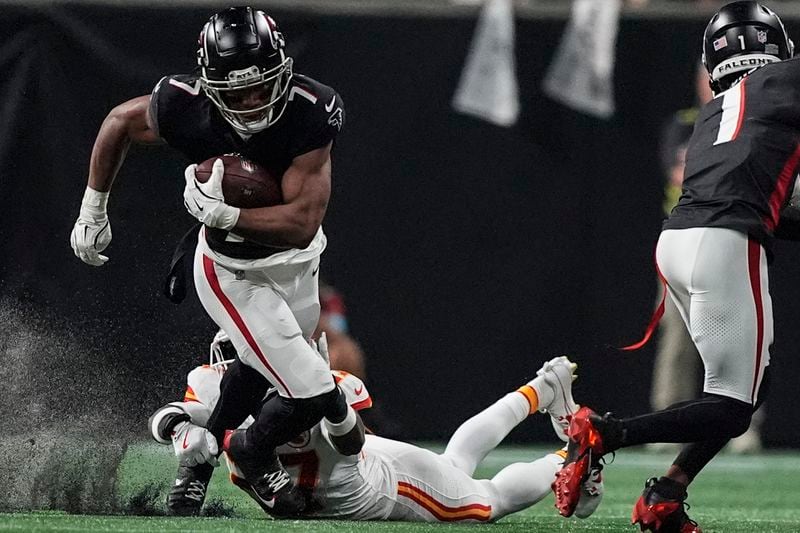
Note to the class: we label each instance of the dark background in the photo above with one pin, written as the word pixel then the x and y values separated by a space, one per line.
pixel 468 253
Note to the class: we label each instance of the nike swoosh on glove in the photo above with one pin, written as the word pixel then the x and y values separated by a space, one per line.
pixel 205 201
pixel 194 445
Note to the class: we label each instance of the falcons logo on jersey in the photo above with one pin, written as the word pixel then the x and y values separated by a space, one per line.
pixel 335 119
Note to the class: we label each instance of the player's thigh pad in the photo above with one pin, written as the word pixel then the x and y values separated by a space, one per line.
pixel 431 489
pixel 720 280
pixel 298 286
pixel 304 302
pixel 253 311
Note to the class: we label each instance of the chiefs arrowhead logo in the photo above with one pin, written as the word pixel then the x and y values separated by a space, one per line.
pixel 359 390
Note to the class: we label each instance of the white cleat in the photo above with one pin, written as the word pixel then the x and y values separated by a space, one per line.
pixel 558 374
pixel 591 493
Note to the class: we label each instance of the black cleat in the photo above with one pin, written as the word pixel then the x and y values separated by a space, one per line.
pixel 265 479
pixel 187 495
pixel 662 508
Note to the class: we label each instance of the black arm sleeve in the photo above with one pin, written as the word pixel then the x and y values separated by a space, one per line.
pixel 163 421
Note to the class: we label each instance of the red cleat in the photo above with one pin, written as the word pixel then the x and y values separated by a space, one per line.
pixel 659 513
pixel 585 447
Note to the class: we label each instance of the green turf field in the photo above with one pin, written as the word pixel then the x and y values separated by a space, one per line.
pixel 735 494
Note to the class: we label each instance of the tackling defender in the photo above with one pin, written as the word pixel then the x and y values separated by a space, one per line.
pixel 391 480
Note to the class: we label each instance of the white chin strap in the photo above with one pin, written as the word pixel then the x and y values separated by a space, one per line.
pixel 740 64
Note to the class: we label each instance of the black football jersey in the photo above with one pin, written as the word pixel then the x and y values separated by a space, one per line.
pixel 189 122
pixel 743 155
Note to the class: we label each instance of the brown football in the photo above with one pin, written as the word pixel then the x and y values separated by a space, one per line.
pixel 245 183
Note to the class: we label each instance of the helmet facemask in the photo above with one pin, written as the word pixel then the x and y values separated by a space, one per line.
pixel 243 68
pixel 272 86
pixel 221 353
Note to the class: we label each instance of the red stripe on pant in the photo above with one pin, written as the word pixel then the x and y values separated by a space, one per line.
pixel 442 512
pixel 754 268
pixel 213 281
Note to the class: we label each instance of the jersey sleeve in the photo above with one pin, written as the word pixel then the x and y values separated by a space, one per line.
pixel 202 386
pixel 325 120
pixel 780 87
pixel 154 105
pixel 169 102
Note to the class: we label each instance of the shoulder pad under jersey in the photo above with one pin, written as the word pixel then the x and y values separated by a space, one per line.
pixel 202 385
pixel 354 389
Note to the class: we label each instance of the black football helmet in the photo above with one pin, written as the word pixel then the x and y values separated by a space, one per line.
pixel 740 37
pixel 241 50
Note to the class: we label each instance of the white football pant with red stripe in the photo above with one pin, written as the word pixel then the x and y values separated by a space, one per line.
pixel 440 488
pixel 269 314
pixel 718 279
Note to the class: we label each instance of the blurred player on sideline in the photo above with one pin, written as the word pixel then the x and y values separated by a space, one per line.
pixel 740 179
pixel 345 353
pixel 392 480
pixel 255 270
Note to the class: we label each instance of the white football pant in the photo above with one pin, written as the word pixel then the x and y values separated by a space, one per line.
pixel 719 281
pixel 268 314
pixel 434 487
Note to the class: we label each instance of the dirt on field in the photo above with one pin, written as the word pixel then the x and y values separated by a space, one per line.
pixel 60 446
pixel 58 469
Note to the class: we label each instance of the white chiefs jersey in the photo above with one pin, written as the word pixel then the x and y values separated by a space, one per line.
pixel 356 487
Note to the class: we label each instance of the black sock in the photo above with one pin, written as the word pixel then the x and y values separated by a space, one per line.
pixel 240 394
pixel 611 429
pixel 696 455
pixel 709 418
pixel 282 419
pixel 336 411
pixel 669 488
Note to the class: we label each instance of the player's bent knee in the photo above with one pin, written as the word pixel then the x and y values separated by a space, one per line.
pixel 317 407
pixel 736 416
pixel 345 428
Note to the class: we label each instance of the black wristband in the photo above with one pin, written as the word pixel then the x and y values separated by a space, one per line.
pixel 168 423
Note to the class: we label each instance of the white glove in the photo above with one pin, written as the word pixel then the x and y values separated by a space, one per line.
pixel 205 201
pixel 92 231
pixel 321 347
pixel 794 199
pixel 194 445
